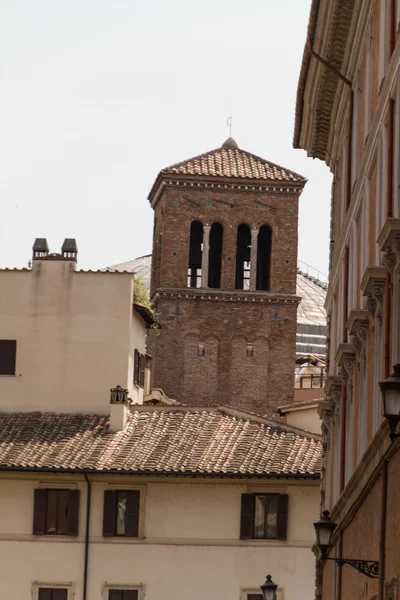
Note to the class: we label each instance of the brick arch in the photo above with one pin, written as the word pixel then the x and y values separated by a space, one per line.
pixel 200 372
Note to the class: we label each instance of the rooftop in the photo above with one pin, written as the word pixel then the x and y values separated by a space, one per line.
pixel 201 441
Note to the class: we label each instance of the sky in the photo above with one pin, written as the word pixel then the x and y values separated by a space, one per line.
pixel 97 96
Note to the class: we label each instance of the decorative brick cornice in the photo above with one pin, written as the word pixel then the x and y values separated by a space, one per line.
pixel 389 242
pixel 248 297
pixel 357 325
pixel 373 286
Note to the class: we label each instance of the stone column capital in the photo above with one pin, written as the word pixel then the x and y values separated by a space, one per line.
pixel 254 232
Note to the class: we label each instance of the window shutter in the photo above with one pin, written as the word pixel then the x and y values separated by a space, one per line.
pixel 254 597
pixel 39 512
pixel 247 517
pixel 130 595
pixel 110 499
pixel 136 367
pixel 45 594
pixel 114 594
pixel 132 513
pixel 73 512
pixel 142 367
pixel 60 594
pixel 8 351
pixel 282 517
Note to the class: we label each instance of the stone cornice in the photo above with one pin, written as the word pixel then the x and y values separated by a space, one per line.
pixel 373 286
pixel 389 241
pixel 357 325
pixel 345 359
pixel 248 297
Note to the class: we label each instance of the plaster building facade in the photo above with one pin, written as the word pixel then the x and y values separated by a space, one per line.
pixel 348 114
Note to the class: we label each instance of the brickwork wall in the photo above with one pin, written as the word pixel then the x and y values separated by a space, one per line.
pixel 393 520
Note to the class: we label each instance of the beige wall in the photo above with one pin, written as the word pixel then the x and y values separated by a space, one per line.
pixel 305 418
pixel 191 546
pixel 75 334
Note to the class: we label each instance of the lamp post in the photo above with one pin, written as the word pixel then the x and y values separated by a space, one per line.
pixel 269 589
pixel 391 400
pixel 324 529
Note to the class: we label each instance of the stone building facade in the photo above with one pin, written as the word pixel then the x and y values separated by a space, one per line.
pixel 348 114
pixel 223 279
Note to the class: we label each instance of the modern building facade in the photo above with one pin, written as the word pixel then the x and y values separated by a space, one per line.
pixel 348 114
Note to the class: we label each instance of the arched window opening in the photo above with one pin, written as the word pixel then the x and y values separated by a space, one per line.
pixel 264 242
pixel 243 249
pixel 195 254
pixel 215 256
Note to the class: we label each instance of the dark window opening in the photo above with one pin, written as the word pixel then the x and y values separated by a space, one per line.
pixel 53 593
pixel 139 369
pixel 195 254
pixel 121 513
pixel 243 250
pixel 264 258
pixel 255 597
pixel 264 516
pixel 56 512
pixel 123 595
pixel 8 352
pixel 215 256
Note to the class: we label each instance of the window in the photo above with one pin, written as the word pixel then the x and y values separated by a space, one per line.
pixel 56 512
pixel 215 256
pixel 47 593
pixel 263 257
pixel 243 252
pixel 123 595
pixel 195 254
pixel 8 351
pixel 121 513
pixel 139 369
pixel 264 516
pixel 254 597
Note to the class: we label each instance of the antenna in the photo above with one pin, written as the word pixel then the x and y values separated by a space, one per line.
pixel 229 124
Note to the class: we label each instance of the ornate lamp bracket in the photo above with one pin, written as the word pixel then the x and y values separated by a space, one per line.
pixel 370 568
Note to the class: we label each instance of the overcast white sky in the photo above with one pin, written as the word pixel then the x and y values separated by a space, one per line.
pixel 98 95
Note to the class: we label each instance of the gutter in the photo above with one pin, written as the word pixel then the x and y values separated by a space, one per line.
pixel 86 558
pixel 189 474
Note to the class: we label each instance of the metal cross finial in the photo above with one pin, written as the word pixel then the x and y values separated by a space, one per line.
pixel 229 124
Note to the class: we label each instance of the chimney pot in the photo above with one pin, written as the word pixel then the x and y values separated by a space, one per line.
pixel 69 249
pixel 40 248
pixel 119 403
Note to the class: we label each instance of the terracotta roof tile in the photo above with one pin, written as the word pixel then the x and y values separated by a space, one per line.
pixel 233 162
pixel 160 441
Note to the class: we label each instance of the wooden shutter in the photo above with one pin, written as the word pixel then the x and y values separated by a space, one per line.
pixel 39 512
pixel 282 517
pixel 59 594
pixel 132 513
pixel 109 513
pixel 142 368
pixel 8 352
pixel 73 512
pixel 130 595
pixel 45 594
pixel 247 517
pixel 136 367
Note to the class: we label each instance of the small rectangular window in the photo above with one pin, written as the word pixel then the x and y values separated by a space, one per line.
pixel 254 597
pixel 123 595
pixel 264 516
pixel 121 513
pixel 46 593
pixel 8 352
pixel 139 366
pixel 56 512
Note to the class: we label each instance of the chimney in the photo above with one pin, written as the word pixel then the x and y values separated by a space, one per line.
pixel 119 410
pixel 40 248
pixel 69 249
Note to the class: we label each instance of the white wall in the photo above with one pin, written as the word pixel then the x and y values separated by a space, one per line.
pixel 305 418
pixel 73 333
pixel 191 546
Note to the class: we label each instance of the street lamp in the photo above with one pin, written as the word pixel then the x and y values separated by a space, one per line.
pixel 269 589
pixel 324 529
pixel 391 400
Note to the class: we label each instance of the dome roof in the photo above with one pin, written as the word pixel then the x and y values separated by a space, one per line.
pixel 230 144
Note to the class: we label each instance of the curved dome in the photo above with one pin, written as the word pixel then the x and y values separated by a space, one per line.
pixel 230 144
pixel 311 316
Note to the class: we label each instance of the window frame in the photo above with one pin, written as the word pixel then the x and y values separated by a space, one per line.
pixel 40 501
pixel 68 585
pixel 106 587
pixel 282 503
pixel 141 489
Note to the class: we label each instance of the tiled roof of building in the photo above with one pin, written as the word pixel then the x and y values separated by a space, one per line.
pixel 172 440
pixel 231 161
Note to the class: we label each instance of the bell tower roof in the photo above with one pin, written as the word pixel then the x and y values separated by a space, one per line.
pixel 228 162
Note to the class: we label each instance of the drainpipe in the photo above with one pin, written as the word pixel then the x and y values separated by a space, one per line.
pixel 86 559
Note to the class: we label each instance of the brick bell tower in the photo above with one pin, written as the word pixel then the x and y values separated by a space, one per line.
pixel 224 280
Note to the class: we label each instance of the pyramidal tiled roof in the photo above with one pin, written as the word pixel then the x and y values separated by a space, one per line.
pixel 214 441
pixel 232 161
